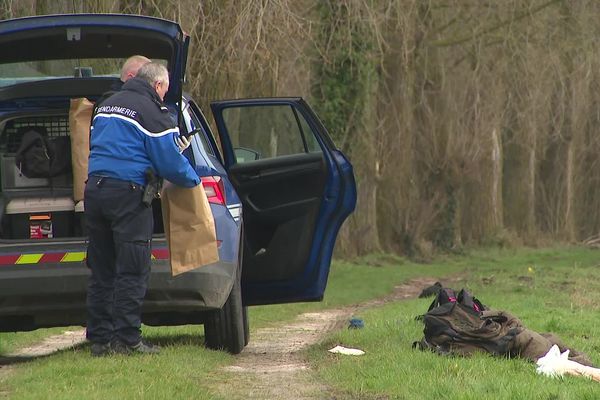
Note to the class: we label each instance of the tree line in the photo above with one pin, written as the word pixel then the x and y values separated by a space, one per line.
pixel 467 121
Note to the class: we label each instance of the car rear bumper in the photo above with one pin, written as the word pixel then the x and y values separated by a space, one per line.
pixel 34 296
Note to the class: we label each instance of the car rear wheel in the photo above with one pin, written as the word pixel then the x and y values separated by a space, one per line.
pixel 225 329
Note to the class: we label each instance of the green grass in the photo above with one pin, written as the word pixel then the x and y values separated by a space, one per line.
pixel 73 374
pixel 550 290
pixel 353 282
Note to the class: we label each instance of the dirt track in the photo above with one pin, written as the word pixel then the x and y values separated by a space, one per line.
pixel 272 365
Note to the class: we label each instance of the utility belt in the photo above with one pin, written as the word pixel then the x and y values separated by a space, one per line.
pixel 150 191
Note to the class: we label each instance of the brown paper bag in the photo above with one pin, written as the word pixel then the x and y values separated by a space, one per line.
pixel 80 115
pixel 189 227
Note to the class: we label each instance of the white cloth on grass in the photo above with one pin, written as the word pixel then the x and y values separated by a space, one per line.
pixel 555 364
pixel 346 350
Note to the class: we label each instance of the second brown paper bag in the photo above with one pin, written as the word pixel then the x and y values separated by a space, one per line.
pixel 80 115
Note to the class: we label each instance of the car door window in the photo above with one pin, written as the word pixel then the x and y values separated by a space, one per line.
pixel 268 131
pixel 311 141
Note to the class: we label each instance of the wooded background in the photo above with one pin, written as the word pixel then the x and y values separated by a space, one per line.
pixel 467 121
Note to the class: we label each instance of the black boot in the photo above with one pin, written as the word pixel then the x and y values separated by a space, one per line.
pixel 101 349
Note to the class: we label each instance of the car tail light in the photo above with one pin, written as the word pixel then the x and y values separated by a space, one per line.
pixel 213 186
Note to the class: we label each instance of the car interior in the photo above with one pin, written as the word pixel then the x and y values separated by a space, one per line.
pixel 44 208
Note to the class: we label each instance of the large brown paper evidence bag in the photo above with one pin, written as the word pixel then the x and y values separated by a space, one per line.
pixel 189 227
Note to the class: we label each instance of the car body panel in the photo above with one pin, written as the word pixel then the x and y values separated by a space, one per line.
pixel 59 276
pixel 59 295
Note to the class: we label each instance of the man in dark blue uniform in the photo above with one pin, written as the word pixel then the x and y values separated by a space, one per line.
pixel 132 132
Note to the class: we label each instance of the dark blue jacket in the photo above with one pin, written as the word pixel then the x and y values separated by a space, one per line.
pixel 133 130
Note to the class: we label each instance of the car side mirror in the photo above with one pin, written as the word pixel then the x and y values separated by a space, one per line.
pixel 243 154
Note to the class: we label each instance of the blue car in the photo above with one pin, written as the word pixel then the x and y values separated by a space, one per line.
pixel 279 189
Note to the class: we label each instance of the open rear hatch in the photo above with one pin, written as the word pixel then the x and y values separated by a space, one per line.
pixel 28 42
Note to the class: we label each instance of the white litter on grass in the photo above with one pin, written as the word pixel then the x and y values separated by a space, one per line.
pixel 555 364
pixel 346 350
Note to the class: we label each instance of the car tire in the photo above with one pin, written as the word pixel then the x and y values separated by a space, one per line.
pixel 225 329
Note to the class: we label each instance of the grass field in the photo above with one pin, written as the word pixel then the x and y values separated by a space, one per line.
pixel 549 290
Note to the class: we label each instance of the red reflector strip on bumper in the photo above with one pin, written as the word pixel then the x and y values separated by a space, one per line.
pixel 10 259
pixel 52 257
pixel 160 254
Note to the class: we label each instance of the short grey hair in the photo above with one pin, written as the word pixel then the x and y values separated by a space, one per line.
pixel 153 72
pixel 132 65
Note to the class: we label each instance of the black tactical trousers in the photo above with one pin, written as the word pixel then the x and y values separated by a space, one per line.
pixel 120 228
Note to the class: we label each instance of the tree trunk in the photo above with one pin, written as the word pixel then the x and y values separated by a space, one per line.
pixel 496 191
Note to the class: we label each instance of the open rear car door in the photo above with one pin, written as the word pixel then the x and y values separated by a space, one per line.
pixel 296 190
